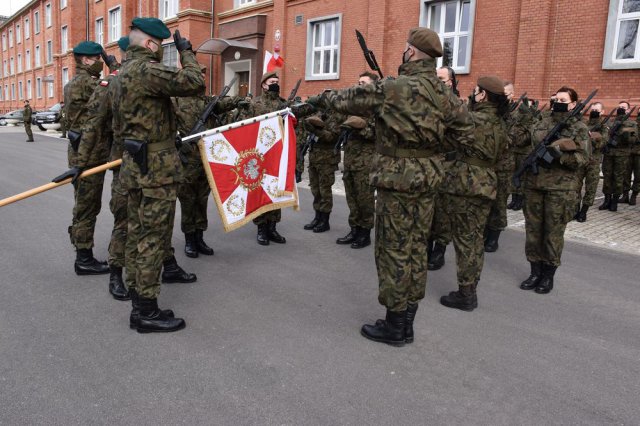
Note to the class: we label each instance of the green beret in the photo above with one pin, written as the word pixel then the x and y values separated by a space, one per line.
pixel 123 43
pixel 87 48
pixel 151 26
pixel 425 40
pixel 492 84
pixel 267 75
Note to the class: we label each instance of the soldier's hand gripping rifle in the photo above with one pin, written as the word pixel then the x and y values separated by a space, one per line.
pixel 602 124
pixel 204 117
pixel 368 54
pixel 517 103
pixel 312 139
pixel 342 140
pixel 606 120
pixel 541 154
pixel 294 91
pixel 613 140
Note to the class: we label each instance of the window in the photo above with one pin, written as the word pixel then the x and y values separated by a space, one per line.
pixel 19 90
pixel 37 61
pixel 4 67
pixel 114 24
pixel 241 3
pixel 453 21
pixel 621 47
pixel 27 28
pixel 13 91
pixel 63 4
pixel 168 8
pixel 19 62
pixel 18 34
pixel 39 87
pixel 47 15
pixel 27 60
pixel 28 89
pixel 323 48
pixel 170 55
pixel 12 66
pixel 4 41
pixel 50 86
pixel 6 92
pixel 10 37
pixel 99 30
pixel 49 52
pixel 63 40
pixel 36 22
pixel 65 76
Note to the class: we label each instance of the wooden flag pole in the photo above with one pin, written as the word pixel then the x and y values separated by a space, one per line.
pixel 51 185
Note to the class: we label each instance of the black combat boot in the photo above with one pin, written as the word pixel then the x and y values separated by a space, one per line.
pixel 274 235
pixel 546 283
pixel 437 259
pixel 518 203
pixel 429 248
pixel 513 200
pixel 625 198
pixel 390 331
pixel 613 207
pixel 173 273
pixel 606 203
pixel 491 243
pixel 633 199
pixel 201 246
pixel 309 226
pixel 323 223
pixel 298 176
pixel 263 234
pixel 410 315
pixel 135 310
pixel 190 248
pixel 116 285
pixel 152 320
pixel 534 278
pixel 582 214
pixel 464 299
pixel 86 264
pixel 350 237
pixel 363 239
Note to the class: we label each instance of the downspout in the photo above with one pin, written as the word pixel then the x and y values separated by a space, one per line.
pixel 87 13
pixel 213 17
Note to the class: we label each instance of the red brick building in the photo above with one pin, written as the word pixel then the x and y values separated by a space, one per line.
pixel 538 44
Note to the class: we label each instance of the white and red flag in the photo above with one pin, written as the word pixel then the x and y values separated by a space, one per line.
pixel 251 166
pixel 272 61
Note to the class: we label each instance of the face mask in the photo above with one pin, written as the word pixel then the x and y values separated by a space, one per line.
pixel 594 114
pixel 560 107
pixel 96 68
pixel 472 98
pixel 405 60
pixel 621 112
pixel 274 87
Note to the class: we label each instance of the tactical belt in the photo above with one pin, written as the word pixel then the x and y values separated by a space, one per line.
pixel 477 162
pixel 161 146
pixel 405 153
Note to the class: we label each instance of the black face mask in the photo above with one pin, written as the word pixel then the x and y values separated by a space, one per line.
pixel 274 87
pixel 621 112
pixel 560 107
pixel 404 60
pixel 594 114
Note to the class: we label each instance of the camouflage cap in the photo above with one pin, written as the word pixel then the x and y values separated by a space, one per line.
pixel 123 43
pixel 425 40
pixel 267 75
pixel 151 26
pixel 492 84
pixel 87 48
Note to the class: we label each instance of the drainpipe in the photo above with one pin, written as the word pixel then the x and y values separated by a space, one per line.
pixel 87 13
pixel 211 56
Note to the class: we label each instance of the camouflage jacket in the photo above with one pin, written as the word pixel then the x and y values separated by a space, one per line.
pixel 564 173
pixel 412 115
pixel 26 114
pixel 519 124
pixel 473 174
pixel 626 137
pixel 77 93
pixel 270 102
pixel 598 137
pixel 142 106
pixel 359 149
pixel 323 151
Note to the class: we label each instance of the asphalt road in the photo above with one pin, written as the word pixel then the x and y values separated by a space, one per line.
pixel 272 333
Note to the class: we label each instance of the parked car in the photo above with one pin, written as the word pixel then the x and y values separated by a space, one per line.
pixel 11 118
pixel 49 119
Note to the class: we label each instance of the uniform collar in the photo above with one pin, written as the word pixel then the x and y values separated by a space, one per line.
pixel 426 65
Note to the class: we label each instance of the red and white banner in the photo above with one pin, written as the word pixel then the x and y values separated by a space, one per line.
pixel 272 61
pixel 251 166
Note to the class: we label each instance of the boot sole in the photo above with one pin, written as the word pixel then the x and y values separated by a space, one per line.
pixel 397 344
pixel 80 272
pixel 191 255
pixel 147 330
pixel 466 308
pixel 120 298
pixel 179 281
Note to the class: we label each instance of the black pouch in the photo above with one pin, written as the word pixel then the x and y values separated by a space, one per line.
pixel 138 151
pixel 74 138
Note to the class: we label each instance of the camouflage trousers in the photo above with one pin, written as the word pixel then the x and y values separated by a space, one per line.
pixel 497 220
pixel 546 215
pixel 633 168
pixel 271 216
pixel 613 171
pixel 321 179
pixel 468 217
pixel 360 198
pixel 519 158
pixel 118 207
pixel 27 128
pixel 151 213
pixel 590 184
pixel 193 198
pixel 299 158
pixel 441 224
pixel 88 202
pixel 403 221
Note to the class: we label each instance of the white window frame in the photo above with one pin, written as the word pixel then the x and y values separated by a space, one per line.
pixel 115 31
pixel 309 74
pixel 168 8
pixel 20 89
pixel 609 61
pixel 27 28
pixel 36 22
pixel 10 37
pixel 6 92
pixel 49 53
pixel 64 39
pixel 99 23
pixel 5 68
pixel 27 59
pixel 65 76
pixel 19 59
pixel 29 93
pixel 13 91
pixel 63 4
pixel 18 34
pixel 12 66
pixel 37 55
pixel 50 86
pixel 243 3
pixel 39 87
pixel 4 41
pixel 425 18
pixel 169 49
pixel 47 15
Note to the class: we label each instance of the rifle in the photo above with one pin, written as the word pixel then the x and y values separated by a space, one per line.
pixel 543 107
pixel 541 152
pixel 603 122
pixel 520 99
pixel 368 54
pixel 312 139
pixel 294 91
pixel 609 116
pixel 342 140
pixel 613 141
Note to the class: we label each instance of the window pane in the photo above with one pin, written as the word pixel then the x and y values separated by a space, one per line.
pixel 328 34
pixel 316 62
pixel 326 62
pixel 627 39
pixel 630 6
pixel 464 16
pixel 450 17
pixel 447 52
pixel 334 68
pixel 316 35
pixel 462 51
pixel 434 24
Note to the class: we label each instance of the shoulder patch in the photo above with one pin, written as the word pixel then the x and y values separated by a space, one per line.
pixel 104 83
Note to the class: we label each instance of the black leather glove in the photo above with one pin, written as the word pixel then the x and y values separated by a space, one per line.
pixel 73 172
pixel 243 104
pixel 110 60
pixel 181 42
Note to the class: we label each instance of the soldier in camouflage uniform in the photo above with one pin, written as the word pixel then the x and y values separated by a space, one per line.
pixel 359 149
pixel 633 168
pixel 616 158
pixel 151 169
pixel 301 137
pixel 470 187
pixel 27 113
pixel 412 114
pixel 63 121
pixel 323 163
pixel 520 148
pixel 598 134
pixel 87 191
pixel 551 194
